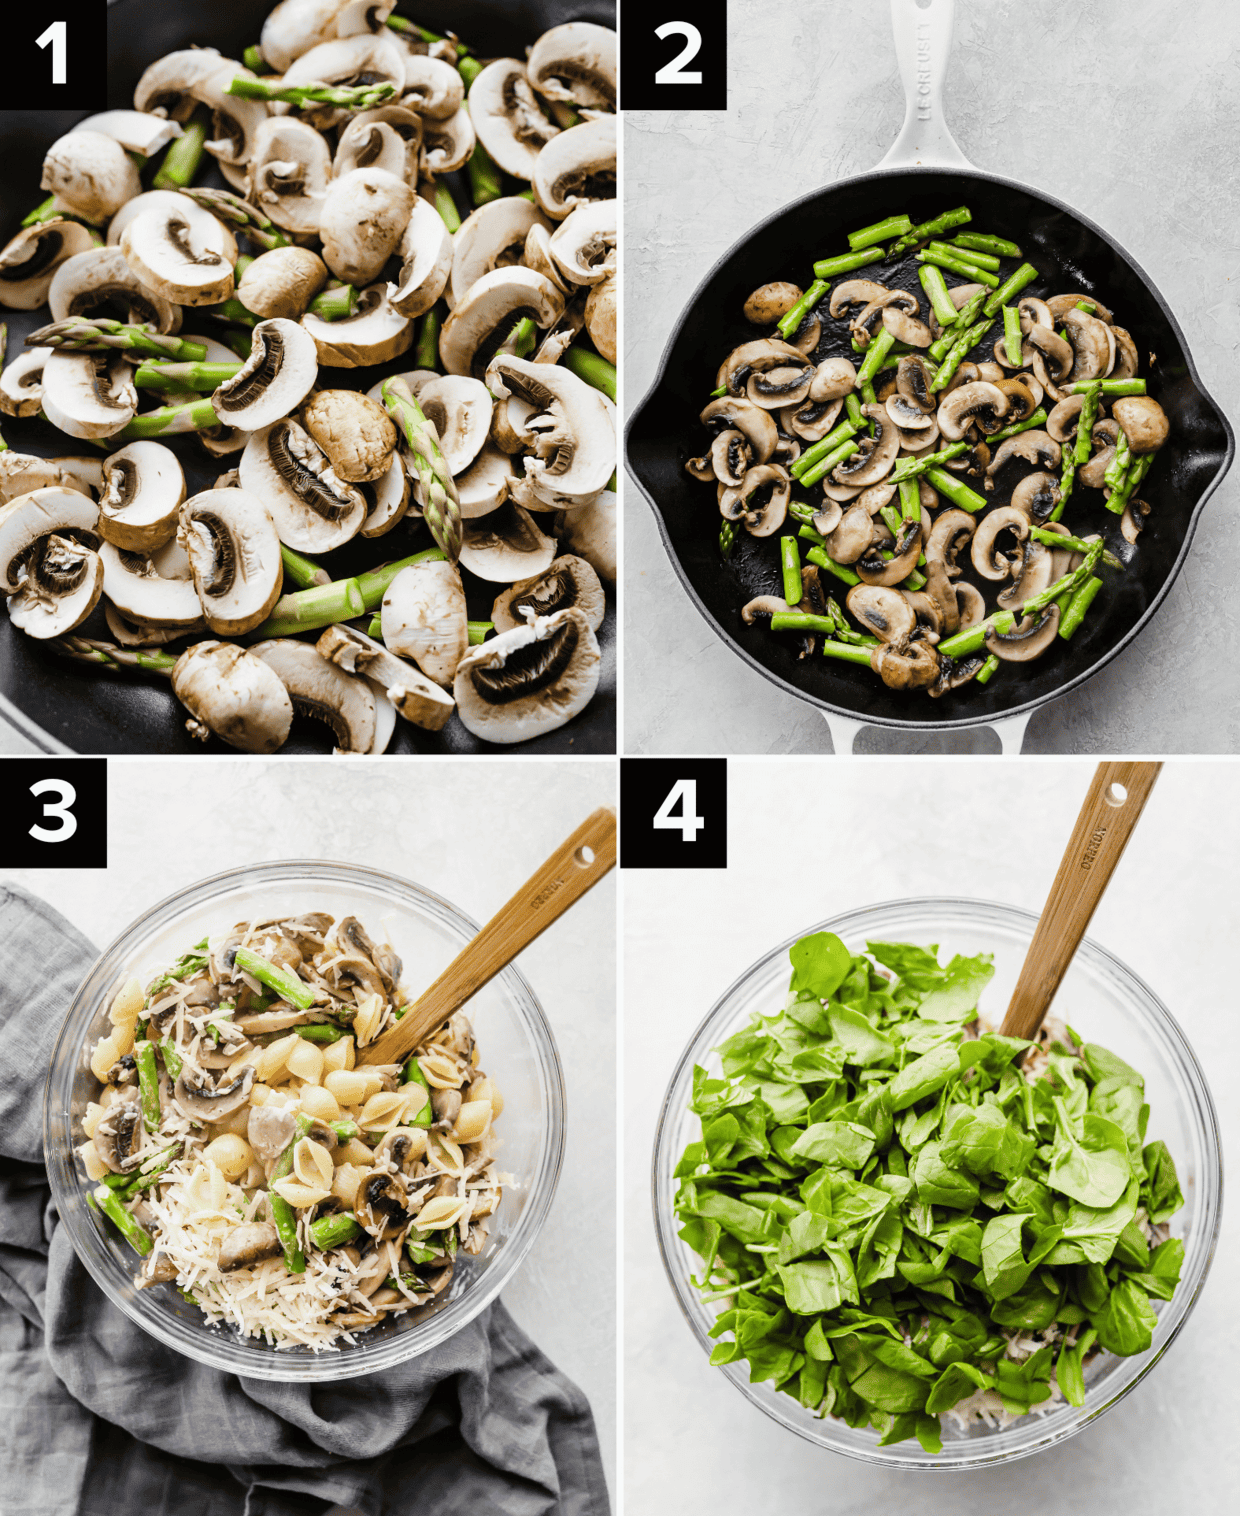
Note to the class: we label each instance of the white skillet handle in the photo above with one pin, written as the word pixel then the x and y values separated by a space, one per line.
pixel 923 39
pixel 844 730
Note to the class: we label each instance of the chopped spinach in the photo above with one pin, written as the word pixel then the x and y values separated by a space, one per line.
pixel 883 1202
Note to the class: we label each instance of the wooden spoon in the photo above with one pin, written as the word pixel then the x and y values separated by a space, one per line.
pixel 1107 820
pixel 576 866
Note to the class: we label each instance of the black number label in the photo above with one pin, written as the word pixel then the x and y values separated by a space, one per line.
pixel 59 810
pixel 60 813
pixel 673 813
pixel 673 72
pixel 60 61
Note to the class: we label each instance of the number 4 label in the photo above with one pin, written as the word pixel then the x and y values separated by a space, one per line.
pixel 684 794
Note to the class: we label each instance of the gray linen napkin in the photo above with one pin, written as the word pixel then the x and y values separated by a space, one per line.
pixel 96 1417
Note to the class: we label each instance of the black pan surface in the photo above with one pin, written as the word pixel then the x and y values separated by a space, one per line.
pixel 1072 253
pixel 58 705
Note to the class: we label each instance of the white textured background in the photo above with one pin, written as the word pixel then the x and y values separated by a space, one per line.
pixel 472 832
pixel 1124 110
pixel 983 828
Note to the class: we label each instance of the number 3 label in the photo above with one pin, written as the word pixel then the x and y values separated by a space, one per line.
pixel 58 810
pixel 688 823
pixel 674 72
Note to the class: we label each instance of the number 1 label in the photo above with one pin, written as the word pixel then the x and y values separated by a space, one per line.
pixel 57 35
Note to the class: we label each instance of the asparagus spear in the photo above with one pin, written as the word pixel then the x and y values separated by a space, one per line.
pixel 120 1218
pixel 108 655
pixel 1114 387
pixel 96 335
pixel 304 572
pixel 1085 424
pixel 593 368
pixel 202 377
pixel 441 504
pixel 148 1083
pixel 979 242
pixel 828 268
pixel 1035 418
pixel 893 226
pixel 426 354
pixel 964 254
pixel 333 1231
pixel 288 986
pixel 169 420
pixel 791 320
pixel 334 303
pixel 933 228
pixel 239 214
pixel 790 562
pixel 1077 606
pixel 956 265
pixel 1006 292
pixel 283 1217
pixel 446 206
pixel 184 155
pixel 485 184
pixel 727 538
pixel 820 450
pixel 362 97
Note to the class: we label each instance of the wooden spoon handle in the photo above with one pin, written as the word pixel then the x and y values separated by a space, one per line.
pixel 1098 841
pixel 576 866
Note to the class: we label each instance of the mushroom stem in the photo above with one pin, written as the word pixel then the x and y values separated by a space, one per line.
pixel 362 97
pixel 441 506
pixel 184 155
pixel 595 370
pixel 335 304
pixel 197 416
pixel 202 377
pixel 97 335
pixel 305 573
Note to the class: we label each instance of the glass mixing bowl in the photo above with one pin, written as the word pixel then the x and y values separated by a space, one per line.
pixel 515 1046
pixel 1102 1000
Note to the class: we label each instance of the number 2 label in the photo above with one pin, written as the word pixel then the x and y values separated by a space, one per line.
pixel 674 72
pixel 688 823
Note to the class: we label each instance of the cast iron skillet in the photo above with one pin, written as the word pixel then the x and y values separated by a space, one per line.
pixel 60 706
pixel 1072 254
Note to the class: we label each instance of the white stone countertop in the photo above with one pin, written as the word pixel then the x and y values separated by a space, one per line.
pixel 1124 111
pixel 472 832
pixel 694 1444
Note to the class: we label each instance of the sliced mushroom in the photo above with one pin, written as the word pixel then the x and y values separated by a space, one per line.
pixel 947 536
pixel 460 410
pixel 356 433
pixel 88 394
pixel 1034 578
pixel 359 147
pixel 852 536
pixel 485 484
pixel 1133 521
pixel 282 282
pixel 988 562
pixel 1144 422
pixel 151 592
pixel 913 383
pixel 1037 495
pixel 375 333
pixel 30 260
pixel 1054 350
pixel 118 1136
pixel 1104 437
pixel 234 554
pixel 48 565
pixel 277 376
pixel 591 533
pixel 575 63
pixel 230 692
pixel 356 59
pixel 583 246
pixel 143 487
pixel 760 500
pixel 424 618
pixel 1126 361
pixel 873 568
pixel 138 132
pixel 314 510
pixel 323 690
pixel 874 458
pixel 1062 422
pixel 1034 446
pixel 905 664
pixel 494 236
pixel 568 581
pixel 1029 639
pixel 1093 345
pixel 1058 306
pixel 204 1100
pixel 757 424
pixel 511 123
pixel 572 432
pixel 21 385
pixel 100 282
pixel 483 320
pixel 90 174
pixel 980 403
pixel 855 292
pixel 575 167
pixel 833 379
pixel 361 222
pixel 905 327
pixel 289 173
pixel 235 121
pixel 433 87
pixel 908 416
pixel 770 302
pixel 884 612
pixel 505 546
pixel 426 259
pixel 248 1244
pixel 529 681
pixel 415 697
pixel 184 254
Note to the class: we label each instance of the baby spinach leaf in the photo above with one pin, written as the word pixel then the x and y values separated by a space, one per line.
pixel 1070 1369
pixel 820 1285
pixel 1165 1198
pixel 956 1383
pixel 924 1076
pixel 955 997
pixel 856 1036
pixel 819 964
pixel 984 1141
pixel 1162 1273
pixel 917 967
pixel 1126 1322
pixel 843 1144
pixel 1091 1167
pixel 1103 1064
pixel 1031 1308
pixel 940 1184
pixel 876 1382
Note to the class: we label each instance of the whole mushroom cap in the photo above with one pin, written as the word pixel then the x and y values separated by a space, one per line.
pixel 91 173
pixel 355 432
pixel 230 692
pixel 1144 422
pixel 282 282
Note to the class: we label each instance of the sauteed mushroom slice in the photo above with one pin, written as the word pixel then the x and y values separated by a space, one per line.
pixel 1029 639
pixel 882 611
pixel 757 424
pixel 980 404
pixel 414 696
pixel 987 560
pixel 90 174
pixel 833 379
pixel 282 282
pixel 253 1242
pixel 1037 495
pixel 100 282
pixel 873 568
pixel 1034 446
pixel 1035 576
pixel 905 664
pixel 118 1137
pixel 947 536
pixel 204 1099
pixel 530 680
pixel 1103 437
pixel 1144 422
pixel 289 173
